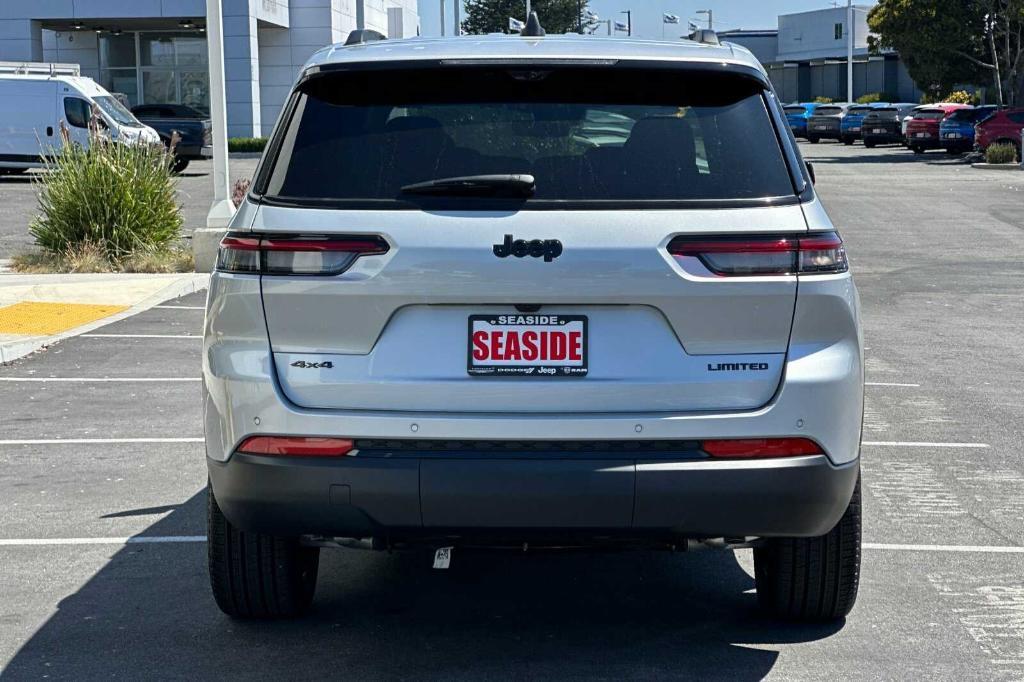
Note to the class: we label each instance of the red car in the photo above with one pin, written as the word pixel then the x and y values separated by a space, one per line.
pixel 923 129
pixel 1002 126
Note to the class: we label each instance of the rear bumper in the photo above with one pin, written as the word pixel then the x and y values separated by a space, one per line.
pixel 193 151
pixel 405 497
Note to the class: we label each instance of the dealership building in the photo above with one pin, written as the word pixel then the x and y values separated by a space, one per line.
pixel 806 57
pixel 154 51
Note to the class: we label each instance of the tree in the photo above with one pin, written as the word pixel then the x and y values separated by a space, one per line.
pixel 556 16
pixel 949 42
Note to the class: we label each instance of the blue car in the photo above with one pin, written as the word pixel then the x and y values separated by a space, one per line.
pixel 797 115
pixel 956 131
pixel 850 129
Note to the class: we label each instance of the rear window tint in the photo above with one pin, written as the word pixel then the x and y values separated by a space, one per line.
pixel 795 110
pixel 585 135
pixel 858 110
pixel 828 111
pixel 930 115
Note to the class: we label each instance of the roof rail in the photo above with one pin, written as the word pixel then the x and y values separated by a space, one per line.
pixel 364 35
pixel 40 68
pixel 533 29
pixel 706 36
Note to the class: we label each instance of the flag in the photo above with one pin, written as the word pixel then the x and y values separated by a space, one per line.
pixel 670 18
pixel 621 26
pixel 515 25
pixel 693 26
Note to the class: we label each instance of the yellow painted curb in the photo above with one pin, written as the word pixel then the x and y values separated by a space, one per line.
pixel 32 317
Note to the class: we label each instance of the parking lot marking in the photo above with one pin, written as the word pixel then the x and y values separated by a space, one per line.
pixel 921 444
pixel 136 540
pixel 95 379
pixel 140 336
pixel 886 383
pixel 91 441
pixel 33 317
pixel 180 307
pixel 984 549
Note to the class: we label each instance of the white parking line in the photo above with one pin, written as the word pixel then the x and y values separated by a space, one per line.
pixel 98 441
pixel 137 540
pixel 139 336
pixel 45 380
pixel 180 307
pixel 886 383
pixel 885 546
pixel 182 539
pixel 922 444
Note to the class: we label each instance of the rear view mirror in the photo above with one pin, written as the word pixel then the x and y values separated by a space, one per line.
pixel 810 171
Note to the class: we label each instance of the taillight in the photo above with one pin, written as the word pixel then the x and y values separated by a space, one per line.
pixel 760 448
pixel 296 446
pixel 750 255
pixel 294 255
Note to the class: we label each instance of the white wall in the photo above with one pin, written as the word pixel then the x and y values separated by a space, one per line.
pixel 73 47
pixel 811 35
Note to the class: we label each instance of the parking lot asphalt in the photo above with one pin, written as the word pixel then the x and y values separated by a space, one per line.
pixel 937 251
pixel 18 205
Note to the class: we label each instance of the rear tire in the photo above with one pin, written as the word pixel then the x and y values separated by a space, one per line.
pixel 813 139
pixel 255 575
pixel 812 579
pixel 869 144
pixel 917 150
pixel 848 140
pixel 179 164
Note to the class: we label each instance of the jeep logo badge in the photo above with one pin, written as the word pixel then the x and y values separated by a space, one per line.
pixel 550 249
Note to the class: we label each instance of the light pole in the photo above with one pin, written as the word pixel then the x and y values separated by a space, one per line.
pixel 457 31
pixel 849 50
pixel 629 21
pixel 442 18
pixel 222 208
pixel 711 22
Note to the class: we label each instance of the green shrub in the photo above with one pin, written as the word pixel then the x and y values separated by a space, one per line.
pixel 246 144
pixel 117 198
pixel 1001 152
pixel 823 100
pixel 872 97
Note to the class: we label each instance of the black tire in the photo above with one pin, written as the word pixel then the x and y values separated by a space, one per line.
pixel 813 139
pixel 179 164
pixel 812 579
pixel 848 140
pixel 255 575
pixel 870 144
pixel 917 150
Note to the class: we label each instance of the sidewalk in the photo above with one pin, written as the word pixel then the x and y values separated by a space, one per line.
pixel 38 310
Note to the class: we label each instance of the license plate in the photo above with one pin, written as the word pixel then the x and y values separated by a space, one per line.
pixel 878 131
pixel 952 136
pixel 921 135
pixel 855 129
pixel 821 127
pixel 527 345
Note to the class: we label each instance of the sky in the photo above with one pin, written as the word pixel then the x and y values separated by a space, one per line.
pixel 647 23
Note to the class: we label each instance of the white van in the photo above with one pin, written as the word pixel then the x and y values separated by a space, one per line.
pixel 36 98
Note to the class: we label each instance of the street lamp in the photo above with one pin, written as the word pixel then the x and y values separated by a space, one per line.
pixel 711 24
pixel 629 21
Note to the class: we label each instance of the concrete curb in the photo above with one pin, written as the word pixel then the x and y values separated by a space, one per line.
pixel 180 285
pixel 997 166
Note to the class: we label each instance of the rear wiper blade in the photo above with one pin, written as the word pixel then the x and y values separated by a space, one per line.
pixel 500 185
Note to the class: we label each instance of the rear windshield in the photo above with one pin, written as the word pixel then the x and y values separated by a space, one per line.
pixel 930 115
pixel 859 110
pixel 796 110
pixel 828 111
pixel 584 135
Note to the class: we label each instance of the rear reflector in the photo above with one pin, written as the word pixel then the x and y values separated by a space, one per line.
pixel 295 446
pixel 754 448
pixel 295 255
pixel 750 255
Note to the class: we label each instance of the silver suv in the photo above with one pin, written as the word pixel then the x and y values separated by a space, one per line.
pixel 532 292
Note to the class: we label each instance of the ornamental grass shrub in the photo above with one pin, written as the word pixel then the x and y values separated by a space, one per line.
pixel 113 201
pixel 1001 152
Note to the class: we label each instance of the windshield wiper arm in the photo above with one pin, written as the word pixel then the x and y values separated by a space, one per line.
pixel 500 185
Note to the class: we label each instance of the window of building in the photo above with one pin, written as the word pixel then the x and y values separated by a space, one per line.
pixel 157 67
pixel 838 30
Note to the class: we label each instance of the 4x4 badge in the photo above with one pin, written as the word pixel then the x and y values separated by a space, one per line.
pixel 302 364
pixel 550 249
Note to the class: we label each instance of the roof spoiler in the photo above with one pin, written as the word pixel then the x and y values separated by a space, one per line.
pixel 705 36
pixel 364 35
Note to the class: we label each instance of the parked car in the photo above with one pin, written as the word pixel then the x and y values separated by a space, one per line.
pixel 1002 126
pixel 923 129
pixel 884 125
pixel 956 131
pixel 797 115
pixel 193 127
pixel 850 127
pixel 37 100
pixel 908 118
pixel 432 327
pixel 826 122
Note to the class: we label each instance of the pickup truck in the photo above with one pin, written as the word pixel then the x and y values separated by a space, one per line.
pixel 192 126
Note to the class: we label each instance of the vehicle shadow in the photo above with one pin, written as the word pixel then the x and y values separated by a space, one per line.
pixel 148 613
